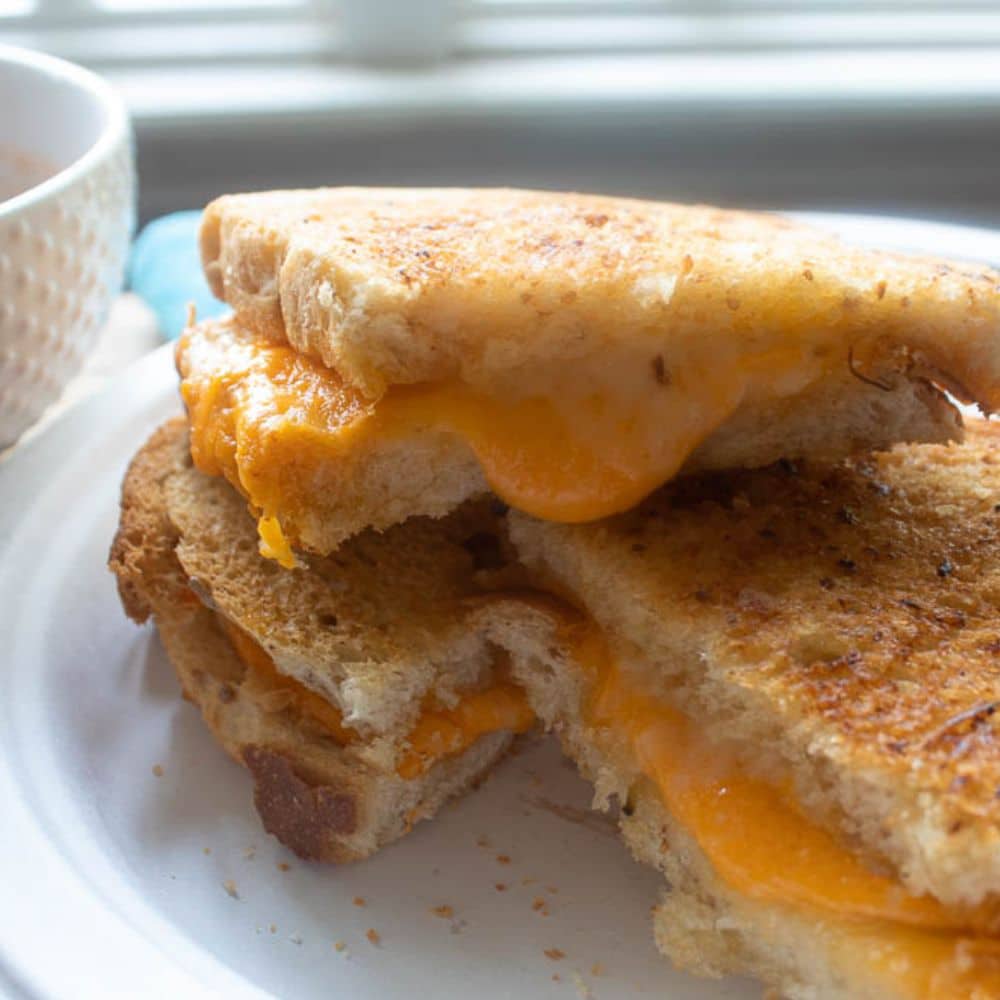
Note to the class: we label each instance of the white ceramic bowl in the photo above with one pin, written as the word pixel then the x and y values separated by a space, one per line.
pixel 67 211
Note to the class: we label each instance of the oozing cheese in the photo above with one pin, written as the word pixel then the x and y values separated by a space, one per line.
pixel 439 732
pixel 576 443
pixel 762 847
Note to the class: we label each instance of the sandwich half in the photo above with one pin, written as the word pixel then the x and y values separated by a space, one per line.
pixel 789 679
pixel 353 688
pixel 396 352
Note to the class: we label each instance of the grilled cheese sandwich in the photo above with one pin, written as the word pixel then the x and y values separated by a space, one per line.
pixel 782 671
pixel 815 775
pixel 356 691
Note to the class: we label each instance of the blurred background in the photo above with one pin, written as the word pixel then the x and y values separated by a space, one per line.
pixel 889 106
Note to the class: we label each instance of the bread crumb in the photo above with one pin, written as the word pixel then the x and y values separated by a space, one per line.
pixel 295 939
pixel 250 853
pixel 528 881
pixel 158 770
pixel 500 887
pixel 206 850
pixel 230 886
pixel 444 911
pixel 556 978
pixel 539 905
pixel 555 954
pixel 503 859
pixel 552 889
pixel 582 989
pixel 359 901
pixel 339 946
pixel 483 842
pixel 273 929
pixel 597 969
pixel 373 936
pixel 284 867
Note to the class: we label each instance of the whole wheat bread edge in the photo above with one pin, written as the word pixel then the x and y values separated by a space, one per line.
pixel 322 800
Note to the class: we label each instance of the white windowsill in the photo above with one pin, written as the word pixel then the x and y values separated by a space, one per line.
pixel 905 81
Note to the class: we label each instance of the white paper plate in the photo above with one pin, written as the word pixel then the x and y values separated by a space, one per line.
pixel 113 881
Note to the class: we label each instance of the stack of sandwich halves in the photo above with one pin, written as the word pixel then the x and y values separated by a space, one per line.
pixel 682 485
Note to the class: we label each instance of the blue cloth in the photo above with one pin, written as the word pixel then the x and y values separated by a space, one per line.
pixel 165 270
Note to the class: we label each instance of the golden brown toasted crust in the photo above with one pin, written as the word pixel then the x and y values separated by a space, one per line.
pixel 410 285
pixel 324 800
pixel 841 622
pixel 142 553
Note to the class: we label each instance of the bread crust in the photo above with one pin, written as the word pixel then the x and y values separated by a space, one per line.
pixel 324 800
pixel 413 285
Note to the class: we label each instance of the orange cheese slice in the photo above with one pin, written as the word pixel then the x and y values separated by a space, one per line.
pixel 439 732
pixel 762 847
pixel 442 732
pixel 576 442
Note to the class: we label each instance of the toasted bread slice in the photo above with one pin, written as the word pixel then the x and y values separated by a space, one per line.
pixel 410 285
pixel 324 471
pixel 350 688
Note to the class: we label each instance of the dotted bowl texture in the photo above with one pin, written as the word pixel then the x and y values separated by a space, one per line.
pixel 62 258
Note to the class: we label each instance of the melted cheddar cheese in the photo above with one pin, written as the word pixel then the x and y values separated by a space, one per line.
pixel 578 443
pixel 439 731
pixel 762 847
